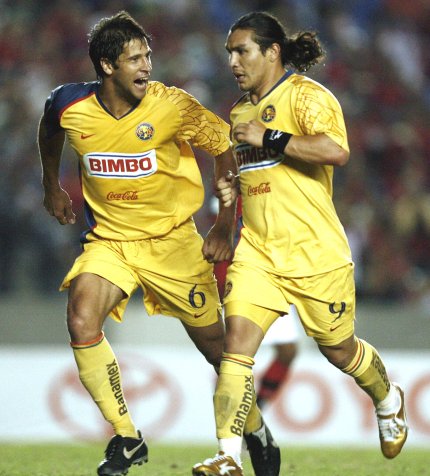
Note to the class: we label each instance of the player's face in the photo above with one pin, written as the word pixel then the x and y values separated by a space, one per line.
pixel 247 62
pixel 133 69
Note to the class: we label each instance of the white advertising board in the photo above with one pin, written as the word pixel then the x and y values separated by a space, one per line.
pixel 169 393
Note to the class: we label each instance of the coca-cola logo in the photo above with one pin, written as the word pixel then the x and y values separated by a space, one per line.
pixel 264 187
pixel 129 195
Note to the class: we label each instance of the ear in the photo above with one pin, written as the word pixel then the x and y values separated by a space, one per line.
pixel 106 66
pixel 274 52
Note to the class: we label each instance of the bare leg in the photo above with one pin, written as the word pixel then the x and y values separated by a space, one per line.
pixel 209 340
pixel 340 355
pixel 91 298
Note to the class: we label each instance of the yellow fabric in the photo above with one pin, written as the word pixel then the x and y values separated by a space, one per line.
pixel 99 373
pixel 234 395
pixel 290 223
pixel 261 316
pixel 254 419
pixel 139 175
pixel 325 302
pixel 369 371
pixel 175 279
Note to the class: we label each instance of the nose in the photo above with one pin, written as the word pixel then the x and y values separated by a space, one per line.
pixel 146 64
pixel 233 59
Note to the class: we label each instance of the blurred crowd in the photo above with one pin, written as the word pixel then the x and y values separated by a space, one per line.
pixel 378 66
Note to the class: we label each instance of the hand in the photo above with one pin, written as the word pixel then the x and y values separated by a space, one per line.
pixel 218 244
pixel 58 204
pixel 226 189
pixel 250 132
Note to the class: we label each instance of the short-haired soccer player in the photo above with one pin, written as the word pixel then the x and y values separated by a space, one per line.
pixel 141 185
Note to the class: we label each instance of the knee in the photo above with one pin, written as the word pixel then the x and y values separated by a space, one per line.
pixel 214 359
pixel 81 325
pixel 340 355
pixel 337 358
pixel 213 352
pixel 233 342
pixel 243 336
pixel 211 347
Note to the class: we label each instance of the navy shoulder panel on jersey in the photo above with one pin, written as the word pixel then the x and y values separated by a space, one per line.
pixel 246 95
pixel 62 97
pixel 241 99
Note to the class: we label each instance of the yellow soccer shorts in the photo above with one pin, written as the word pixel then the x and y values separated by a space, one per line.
pixel 175 279
pixel 325 302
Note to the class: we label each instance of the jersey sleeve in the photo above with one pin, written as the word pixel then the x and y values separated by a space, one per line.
pixel 317 111
pixel 60 99
pixel 201 127
pixel 52 113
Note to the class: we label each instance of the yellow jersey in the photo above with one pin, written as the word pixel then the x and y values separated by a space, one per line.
pixel 290 224
pixel 138 173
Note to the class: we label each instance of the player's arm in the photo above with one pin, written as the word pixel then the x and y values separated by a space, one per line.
pixel 56 200
pixel 315 149
pixel 218 244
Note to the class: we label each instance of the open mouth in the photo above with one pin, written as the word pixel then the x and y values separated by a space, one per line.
pixel 141 82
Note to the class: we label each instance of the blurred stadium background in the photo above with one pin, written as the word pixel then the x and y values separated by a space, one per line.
pixel 378 65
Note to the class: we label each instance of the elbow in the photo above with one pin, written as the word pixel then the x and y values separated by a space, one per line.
pixel 341 157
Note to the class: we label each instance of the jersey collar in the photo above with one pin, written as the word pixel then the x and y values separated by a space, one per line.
pixel 284 78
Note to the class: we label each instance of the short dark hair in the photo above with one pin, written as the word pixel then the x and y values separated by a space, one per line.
pixel 107 38
pixel 300 51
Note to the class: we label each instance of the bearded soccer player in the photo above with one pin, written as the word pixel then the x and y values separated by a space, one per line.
pixel 288 135
pixel 141 185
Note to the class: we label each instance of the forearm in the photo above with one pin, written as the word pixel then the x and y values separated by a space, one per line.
pixel 50 151
pixel 225 163
pixel 315 149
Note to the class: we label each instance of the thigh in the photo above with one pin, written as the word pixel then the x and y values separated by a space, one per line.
pixel 243 335
pixel 263 317
pixel 176 279
pixel 91 299
pixel 105 259
pixel 253 293
pixel 247 283
pixel 325 304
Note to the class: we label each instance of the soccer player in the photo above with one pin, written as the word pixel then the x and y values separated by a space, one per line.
pixel 141 185
pixel 282 336
pixel 288 135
